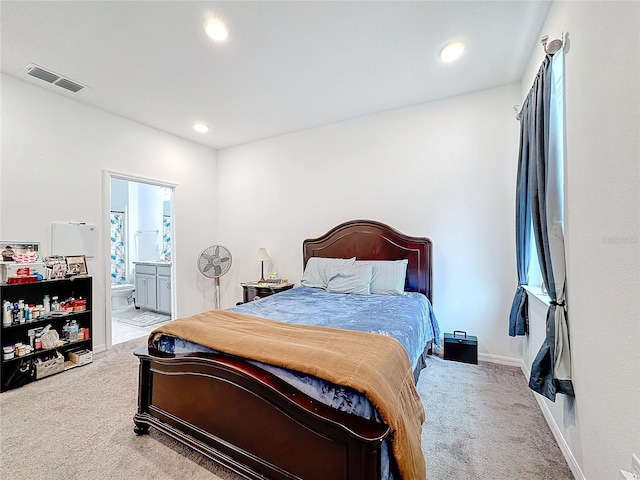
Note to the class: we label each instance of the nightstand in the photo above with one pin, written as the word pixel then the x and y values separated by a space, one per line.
pixel 253 291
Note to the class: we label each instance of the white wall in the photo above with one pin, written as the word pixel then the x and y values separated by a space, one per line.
pixel 445 170
pixel 54 151
pixel 600 429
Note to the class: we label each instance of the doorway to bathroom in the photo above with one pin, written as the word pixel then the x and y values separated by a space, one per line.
pixel 140 256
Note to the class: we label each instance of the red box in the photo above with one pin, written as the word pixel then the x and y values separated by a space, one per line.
pixel 79 305
pixel 27 279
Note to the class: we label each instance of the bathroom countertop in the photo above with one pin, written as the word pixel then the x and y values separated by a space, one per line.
pixel 154 262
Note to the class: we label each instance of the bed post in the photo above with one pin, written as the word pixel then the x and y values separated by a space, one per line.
pixel 144 389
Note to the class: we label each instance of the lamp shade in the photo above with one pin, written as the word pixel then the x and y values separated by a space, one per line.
pixel 263 255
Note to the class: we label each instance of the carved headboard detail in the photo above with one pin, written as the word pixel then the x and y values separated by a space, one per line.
pixel 371 240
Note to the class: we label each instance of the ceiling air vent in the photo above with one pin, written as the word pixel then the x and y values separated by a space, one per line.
pixel 48 76
pixel 42 74
pixel 69 85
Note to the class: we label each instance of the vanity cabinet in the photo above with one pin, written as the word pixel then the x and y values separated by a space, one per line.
pixel 153 286
pixel 145 289
pixel 163 288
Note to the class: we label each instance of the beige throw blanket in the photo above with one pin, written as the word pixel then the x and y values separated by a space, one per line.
pixel 372 364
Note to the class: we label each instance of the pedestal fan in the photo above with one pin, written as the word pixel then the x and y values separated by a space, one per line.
pixel 213 262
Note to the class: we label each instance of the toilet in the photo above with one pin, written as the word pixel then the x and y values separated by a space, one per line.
pixel 120 295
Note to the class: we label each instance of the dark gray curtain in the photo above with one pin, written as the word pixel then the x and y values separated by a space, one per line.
pixel 519 316
pixel 551 369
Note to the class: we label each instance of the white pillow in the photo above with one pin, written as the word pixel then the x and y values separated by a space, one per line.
pixel 315 273
pixel 388 276
pixel 355 279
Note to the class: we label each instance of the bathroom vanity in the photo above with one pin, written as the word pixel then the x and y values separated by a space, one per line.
pixel 153 285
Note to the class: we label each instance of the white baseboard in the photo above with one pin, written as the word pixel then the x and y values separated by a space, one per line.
pixel 557 434
pixel 511 361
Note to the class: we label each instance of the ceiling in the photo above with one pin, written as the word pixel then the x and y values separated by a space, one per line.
pixel 286 66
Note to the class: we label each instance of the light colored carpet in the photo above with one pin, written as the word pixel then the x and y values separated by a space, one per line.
pixel 78 425
pixel 482 423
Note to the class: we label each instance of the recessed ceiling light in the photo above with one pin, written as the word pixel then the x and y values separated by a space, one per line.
pixel 216 29
pixel 201 127
pixel 451 52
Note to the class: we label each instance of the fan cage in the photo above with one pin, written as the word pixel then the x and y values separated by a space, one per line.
pixel 213 262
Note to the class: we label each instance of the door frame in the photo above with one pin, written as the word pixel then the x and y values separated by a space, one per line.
pixel 107 176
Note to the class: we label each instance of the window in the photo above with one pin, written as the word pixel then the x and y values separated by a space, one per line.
pixel 555 174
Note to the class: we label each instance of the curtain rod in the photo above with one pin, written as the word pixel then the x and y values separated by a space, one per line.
pixel 550 48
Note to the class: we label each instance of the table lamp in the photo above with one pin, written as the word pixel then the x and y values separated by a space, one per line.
pixel 262 256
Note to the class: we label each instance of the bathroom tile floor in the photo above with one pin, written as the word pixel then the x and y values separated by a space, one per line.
pixel 129 323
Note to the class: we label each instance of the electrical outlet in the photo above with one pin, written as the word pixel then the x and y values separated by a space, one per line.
pixel 635 466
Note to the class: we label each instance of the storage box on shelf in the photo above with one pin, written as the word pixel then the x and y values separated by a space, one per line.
pixel 26 355
pixel 49 366
pixel 14 272
pixel 80 356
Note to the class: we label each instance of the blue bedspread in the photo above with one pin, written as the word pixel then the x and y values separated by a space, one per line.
pixel 408 318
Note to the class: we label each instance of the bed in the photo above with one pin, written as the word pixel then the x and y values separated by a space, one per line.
pixel 263 420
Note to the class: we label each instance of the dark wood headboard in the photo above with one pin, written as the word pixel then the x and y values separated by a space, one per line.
pixel 371 240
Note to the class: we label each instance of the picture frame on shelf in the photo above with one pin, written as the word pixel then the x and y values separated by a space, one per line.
pixel 76 265
pixel 57 270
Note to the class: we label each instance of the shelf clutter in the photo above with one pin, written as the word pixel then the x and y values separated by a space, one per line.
pixel 46 328
pixel 14 272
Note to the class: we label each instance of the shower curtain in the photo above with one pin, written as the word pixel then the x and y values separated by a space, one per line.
pixel 166 237
pixel 118 251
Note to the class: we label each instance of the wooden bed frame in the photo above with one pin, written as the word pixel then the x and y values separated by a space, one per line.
pixel 256 424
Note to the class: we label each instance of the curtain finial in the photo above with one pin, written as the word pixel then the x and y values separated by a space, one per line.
pixel 554 46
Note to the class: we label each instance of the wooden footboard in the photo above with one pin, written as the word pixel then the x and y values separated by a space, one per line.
pixel 251 421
